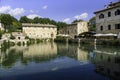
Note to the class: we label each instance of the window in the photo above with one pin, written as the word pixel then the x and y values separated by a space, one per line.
pixel 117 12
pixel 109 14
pixel 109 27
pixel 101 16
pixel 101 28
pixel 117 26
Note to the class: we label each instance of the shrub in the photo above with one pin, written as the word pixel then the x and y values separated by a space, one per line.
pixel 12 37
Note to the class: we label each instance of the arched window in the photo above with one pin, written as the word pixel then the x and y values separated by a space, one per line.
pixel 109 14
pixel 101 16
pixel 117 12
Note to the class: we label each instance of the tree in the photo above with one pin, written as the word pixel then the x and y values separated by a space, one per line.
pixel 17 25
pixel 92 24
pixel 61 25
pixel 77 20
pixel 36 20
pixel 24 19
pixel 8 21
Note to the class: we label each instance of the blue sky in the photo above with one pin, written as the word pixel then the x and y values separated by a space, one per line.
pixel 59 10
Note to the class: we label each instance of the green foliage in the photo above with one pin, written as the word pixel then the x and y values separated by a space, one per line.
pixel 12 37
pixel 61 25
pixel 1 33
pixel 17 25
pixel 92 24
pixel 6 45
pixel 24 19
pixel 27 37
pixel 60 39
pixel 38 40
pixel 19 44
pixel 23 43
pixel 32 41
pixel 10 23
pixel 77 20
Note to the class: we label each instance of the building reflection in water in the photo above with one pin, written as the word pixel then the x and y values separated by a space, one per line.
pixel 73 51
pixel 40 50
pixel 26 54
pixel 107 61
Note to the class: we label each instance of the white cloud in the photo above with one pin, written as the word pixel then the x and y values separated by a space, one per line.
pixel 32 16
pixel 34 11
pixel 5 9
pixel 67 20
pixel 16 11
pixel 10 10
pixel 81 16
pixel 31 11
pixel 45 7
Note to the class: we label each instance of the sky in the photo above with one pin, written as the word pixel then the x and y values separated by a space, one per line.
pixel 59 10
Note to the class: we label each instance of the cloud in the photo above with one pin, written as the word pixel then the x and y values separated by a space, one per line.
pixel 67 20
pixel 44 7
pixel 81 16
pixel 34 11
pixel 31 11
pixel 5 9
pixel 32 16
pixel 16 11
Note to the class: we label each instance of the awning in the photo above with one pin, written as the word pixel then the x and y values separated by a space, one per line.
pixel 109 34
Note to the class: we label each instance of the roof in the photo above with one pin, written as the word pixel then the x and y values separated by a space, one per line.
pixel 36 25
pixel 110 6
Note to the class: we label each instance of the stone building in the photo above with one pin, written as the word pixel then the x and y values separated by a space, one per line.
pixel 18 35
pixel 108 19
pixel 39 30
pixel 75 29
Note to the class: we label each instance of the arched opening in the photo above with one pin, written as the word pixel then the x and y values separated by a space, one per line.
pixel 101 16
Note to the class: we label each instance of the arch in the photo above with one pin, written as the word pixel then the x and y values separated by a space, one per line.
pixel 101 16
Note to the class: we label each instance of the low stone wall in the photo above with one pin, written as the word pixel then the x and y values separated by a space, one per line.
pixel 82 41
pixel 115 42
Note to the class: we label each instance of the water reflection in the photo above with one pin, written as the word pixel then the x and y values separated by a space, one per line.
pixel 41 52
pixel 54 56
pixel 24 54
pixel 73 51
pixel 107 61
